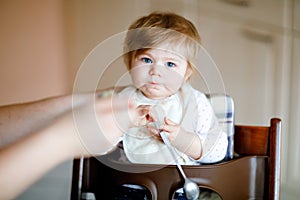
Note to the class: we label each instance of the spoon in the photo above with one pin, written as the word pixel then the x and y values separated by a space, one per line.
pixel 190 188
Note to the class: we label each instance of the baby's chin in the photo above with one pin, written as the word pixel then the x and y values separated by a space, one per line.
pixel 156 94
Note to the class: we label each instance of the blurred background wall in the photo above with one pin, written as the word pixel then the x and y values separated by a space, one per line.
pixel 33 50
pixel 255 45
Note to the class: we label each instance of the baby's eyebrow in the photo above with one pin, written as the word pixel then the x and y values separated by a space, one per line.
pixel 174 59
pixel 145 53
pixel 171 58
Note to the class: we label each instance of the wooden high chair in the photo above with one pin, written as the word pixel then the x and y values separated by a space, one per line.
pixel 253 173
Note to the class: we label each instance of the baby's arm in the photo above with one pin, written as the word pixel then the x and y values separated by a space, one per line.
pixel 214 140
pixel 214 145
pixel 186 142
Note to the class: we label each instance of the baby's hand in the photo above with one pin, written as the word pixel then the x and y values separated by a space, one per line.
pixel 144 116
pixel 169 127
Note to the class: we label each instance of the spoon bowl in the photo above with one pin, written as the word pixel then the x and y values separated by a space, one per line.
pixel 191 189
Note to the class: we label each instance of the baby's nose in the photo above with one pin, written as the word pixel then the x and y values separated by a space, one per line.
pixel 155 70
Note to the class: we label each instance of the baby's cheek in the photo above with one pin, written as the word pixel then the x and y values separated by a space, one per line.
pixel 171 88
pixel 137 82
pixel 174 81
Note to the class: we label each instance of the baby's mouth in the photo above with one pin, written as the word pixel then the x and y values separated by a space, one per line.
pixel 153 83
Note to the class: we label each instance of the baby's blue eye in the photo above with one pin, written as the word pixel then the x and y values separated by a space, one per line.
pixel 146 60
pixel 170 64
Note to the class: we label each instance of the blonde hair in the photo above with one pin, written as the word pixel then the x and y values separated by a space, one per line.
pixel 161 28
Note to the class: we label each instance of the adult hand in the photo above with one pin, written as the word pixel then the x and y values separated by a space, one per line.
pixel 95 127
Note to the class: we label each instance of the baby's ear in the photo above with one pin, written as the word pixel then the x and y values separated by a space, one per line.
pixel 188 73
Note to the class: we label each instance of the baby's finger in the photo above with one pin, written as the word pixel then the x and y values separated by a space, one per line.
pixel 153 131
pixel 144 109
pixel 150 118
pixel 169 122
pixel 167 128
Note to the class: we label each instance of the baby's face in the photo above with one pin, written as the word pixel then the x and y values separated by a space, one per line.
pixel 159 73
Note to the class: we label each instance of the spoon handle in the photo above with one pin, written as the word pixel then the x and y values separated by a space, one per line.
pixel 170 147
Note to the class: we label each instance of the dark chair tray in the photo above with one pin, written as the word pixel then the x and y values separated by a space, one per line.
pixel 240 178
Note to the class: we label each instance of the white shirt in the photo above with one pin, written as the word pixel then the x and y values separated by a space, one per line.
pixel 189 108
